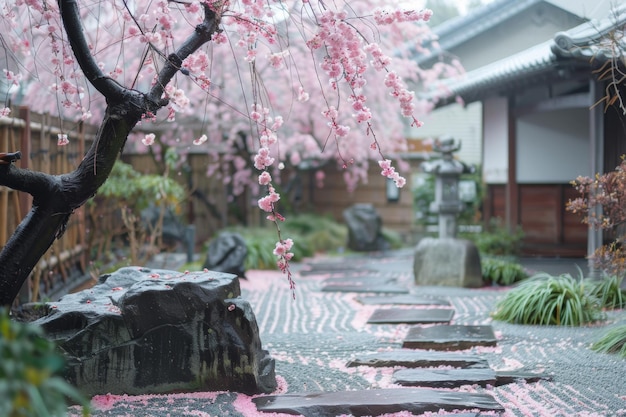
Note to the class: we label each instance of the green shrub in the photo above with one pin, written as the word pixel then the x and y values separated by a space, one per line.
pixel 608 291
pixel 502 271
pixel 393 238
pixel 549 300
pixel 30 368
pixel 614 341
pixel 311 234
pixel 497 240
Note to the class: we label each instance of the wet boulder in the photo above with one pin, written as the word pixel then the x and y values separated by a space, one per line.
pixel 142 331
pixel 227 253
pixel 364 228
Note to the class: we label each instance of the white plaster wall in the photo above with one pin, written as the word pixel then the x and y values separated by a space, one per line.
pixel 552 147
pixel 462 123
pixel 495 141
pixel 589 9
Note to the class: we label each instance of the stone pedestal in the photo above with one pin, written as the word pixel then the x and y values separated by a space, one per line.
pixel 447 262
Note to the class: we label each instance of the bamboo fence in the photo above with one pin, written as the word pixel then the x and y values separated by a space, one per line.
pixel 35 135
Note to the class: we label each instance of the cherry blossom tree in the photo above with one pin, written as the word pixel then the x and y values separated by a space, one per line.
pixel 232 66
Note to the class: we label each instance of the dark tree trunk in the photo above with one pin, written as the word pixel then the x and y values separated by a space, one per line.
pixel 56 197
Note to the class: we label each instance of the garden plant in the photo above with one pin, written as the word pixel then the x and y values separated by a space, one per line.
pixel 31 382
pixel 545 299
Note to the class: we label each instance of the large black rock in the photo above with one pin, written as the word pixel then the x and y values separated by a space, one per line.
pixel 227 253
pixel 155 331
pixel 364 228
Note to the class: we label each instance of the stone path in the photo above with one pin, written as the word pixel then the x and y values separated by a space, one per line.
pixel 322 343
pixel 428 365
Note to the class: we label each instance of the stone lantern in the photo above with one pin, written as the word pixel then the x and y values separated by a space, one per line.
pixel 447 260
pixel 447 172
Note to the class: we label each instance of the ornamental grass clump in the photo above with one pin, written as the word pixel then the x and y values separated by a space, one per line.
pixel 545 299
pixel 502 271
pixel 614 341
pixel 608 291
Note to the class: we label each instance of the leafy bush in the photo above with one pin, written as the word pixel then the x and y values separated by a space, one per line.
pixel 311 234
pixel 30 367
pixel 608 291
pixel 497 240
pixel 502 271
pixel 614 341
pixel 549 300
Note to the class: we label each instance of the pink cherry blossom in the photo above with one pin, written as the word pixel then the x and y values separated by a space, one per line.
pixel 62 139
pixel 200 140
pixel 148 139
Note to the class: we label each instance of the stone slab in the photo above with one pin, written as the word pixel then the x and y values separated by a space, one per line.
pixel 419 359
pixel 362 287
pixel 451 337
pixel 511 377
pixel 404 299
pixel 457 377
pixel 411 316
pixel 375 402
pixel 360 279
pixel 445 378
pixel 351 271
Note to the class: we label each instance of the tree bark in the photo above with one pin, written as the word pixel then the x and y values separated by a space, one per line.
pixel 55 197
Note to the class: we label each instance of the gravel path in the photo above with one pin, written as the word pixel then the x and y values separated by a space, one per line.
pixel 313 337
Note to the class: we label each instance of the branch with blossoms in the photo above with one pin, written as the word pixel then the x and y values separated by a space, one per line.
pixel 139 49
pixel 263 161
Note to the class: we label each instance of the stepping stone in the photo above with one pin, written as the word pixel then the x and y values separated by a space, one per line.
pixel 511 377
pixel 452 337
pixel 404 299
pixel 375 402
pixel 362 286
pixel 365 288
pixel 362 279
pixel 445 378
pixel 336 267
pixel 411 316
pixel 349 272
pixel 455 378
pixel 419 359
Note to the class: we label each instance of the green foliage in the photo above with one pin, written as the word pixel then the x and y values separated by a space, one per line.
pixel 30 368
pixel 311 234
pixel 614 341
pixel 138 190
pixel 549 300
pixel 497 240
pixel 502 271
pixel 424 194
pixel 393 238
pixel 608 291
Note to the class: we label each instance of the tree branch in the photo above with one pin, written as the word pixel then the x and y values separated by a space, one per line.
pixel 70 15
pixel 203 33
pixel 56 197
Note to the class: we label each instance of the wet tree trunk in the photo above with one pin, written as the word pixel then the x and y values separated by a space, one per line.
pixel 55 197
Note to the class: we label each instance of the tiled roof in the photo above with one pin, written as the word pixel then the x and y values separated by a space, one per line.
pixel 549 60
pixel 456 31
